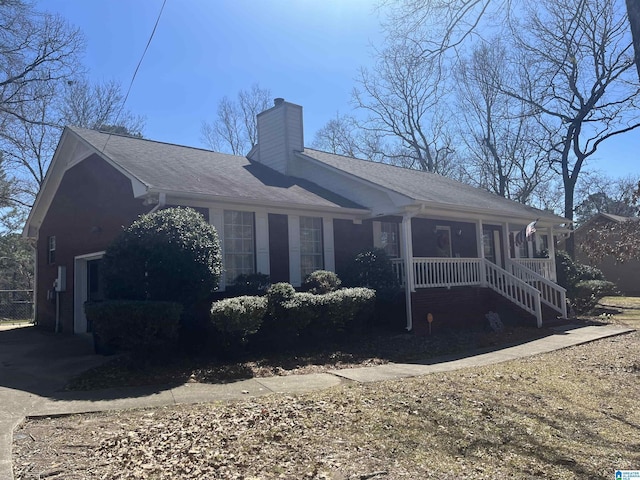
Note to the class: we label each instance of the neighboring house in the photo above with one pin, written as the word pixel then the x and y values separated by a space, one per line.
pixel 625 275
pixel 286 210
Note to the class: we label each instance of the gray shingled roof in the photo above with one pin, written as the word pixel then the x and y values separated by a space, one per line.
pixel 187 170
pixel 430 188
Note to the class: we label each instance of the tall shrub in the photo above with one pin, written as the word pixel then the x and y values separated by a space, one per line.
pixel 373 269
pixel 585 284
pixel 169 255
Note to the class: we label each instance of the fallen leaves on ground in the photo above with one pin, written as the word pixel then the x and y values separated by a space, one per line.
pixel 362 351
pixel 570 414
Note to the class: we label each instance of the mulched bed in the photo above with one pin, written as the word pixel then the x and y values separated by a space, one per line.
pixel 377 347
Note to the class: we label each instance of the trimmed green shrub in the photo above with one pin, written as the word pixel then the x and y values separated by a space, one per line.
pixel 137 326
pixel 570 272
pixel 249 284
pixel 237 318
pixel 285 316
pixel 341 311
pixel 588 293
pixel 277 294
pixel 585 284
pixel 321 281
pixel 371 269
pixel 169 255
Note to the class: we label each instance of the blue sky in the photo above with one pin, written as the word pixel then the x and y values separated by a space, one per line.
pixel 307 51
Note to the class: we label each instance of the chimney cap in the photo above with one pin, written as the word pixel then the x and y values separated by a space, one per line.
pixel 278 101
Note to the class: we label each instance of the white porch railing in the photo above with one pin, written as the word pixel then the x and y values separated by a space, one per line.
pixel 440 272
pixel 544 267
pixel 446 272
pixel 552 294
pixel 398 269
pixel 511 287
pixel 457 272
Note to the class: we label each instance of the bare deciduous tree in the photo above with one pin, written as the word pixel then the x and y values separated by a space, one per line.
pixel 504 153
pixel 576 62
pixel 235 130
pixel 98 106
pixel 401 96
pixel 35 50
pixel 28 145
pixel 344 135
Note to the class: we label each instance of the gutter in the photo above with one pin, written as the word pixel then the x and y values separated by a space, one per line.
pixel 162 201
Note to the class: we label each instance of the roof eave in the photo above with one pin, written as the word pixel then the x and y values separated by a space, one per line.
pixel 208 198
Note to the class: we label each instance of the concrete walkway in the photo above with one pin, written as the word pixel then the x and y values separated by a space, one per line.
pixel 30 387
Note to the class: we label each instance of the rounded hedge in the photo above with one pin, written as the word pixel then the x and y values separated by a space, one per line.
pixel 169 255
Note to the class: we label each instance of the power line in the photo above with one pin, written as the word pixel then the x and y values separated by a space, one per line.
pixel 135 73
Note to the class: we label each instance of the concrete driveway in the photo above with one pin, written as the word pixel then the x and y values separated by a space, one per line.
pixel 34 367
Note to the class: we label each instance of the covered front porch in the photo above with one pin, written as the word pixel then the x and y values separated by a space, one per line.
pixel 437 252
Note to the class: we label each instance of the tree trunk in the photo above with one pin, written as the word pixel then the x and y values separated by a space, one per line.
pixel 633 12
pixel 569 190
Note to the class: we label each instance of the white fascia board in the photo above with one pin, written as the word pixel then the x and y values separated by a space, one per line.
pixel 437 212
pixel 206 201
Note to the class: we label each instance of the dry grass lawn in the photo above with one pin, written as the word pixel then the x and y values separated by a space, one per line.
pixel 570 414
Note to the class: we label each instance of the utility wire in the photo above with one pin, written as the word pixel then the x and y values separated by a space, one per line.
pixel 135 73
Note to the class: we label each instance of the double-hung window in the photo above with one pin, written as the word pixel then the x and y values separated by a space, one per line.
pixel 390 239
pixel 51 250
pixel 239 244
pixel 311 248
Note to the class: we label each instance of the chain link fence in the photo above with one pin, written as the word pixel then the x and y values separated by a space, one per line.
pixel 16 305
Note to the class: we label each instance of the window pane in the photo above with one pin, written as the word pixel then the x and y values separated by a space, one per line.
pixel 390 238
pixel 311 247
pixel 239 244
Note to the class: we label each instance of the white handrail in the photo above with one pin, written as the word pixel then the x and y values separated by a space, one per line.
pixel 542 266
pixel 514 289
pixel 552 294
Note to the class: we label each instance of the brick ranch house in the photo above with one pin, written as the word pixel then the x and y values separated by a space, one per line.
pixel 286 210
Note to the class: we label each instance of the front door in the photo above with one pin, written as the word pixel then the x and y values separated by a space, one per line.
pixel 492 246
pixel 95 291
pixel 87 287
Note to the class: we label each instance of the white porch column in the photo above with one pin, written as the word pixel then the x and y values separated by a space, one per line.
pixel 262 243
pixel 328 244
pixel 552 254
pixel 507 246
pixel 408 266
pixel 480 238
pixel 480 246
pixel 295 275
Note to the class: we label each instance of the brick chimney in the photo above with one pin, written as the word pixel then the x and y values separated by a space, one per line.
pixel 280 133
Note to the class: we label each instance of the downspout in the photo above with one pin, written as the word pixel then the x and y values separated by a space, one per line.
pixel 162 201
pixel 408 263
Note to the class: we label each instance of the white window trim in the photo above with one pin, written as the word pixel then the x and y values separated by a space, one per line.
pixel 223 237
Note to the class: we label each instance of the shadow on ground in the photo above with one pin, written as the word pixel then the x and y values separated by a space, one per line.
pixel 41 363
